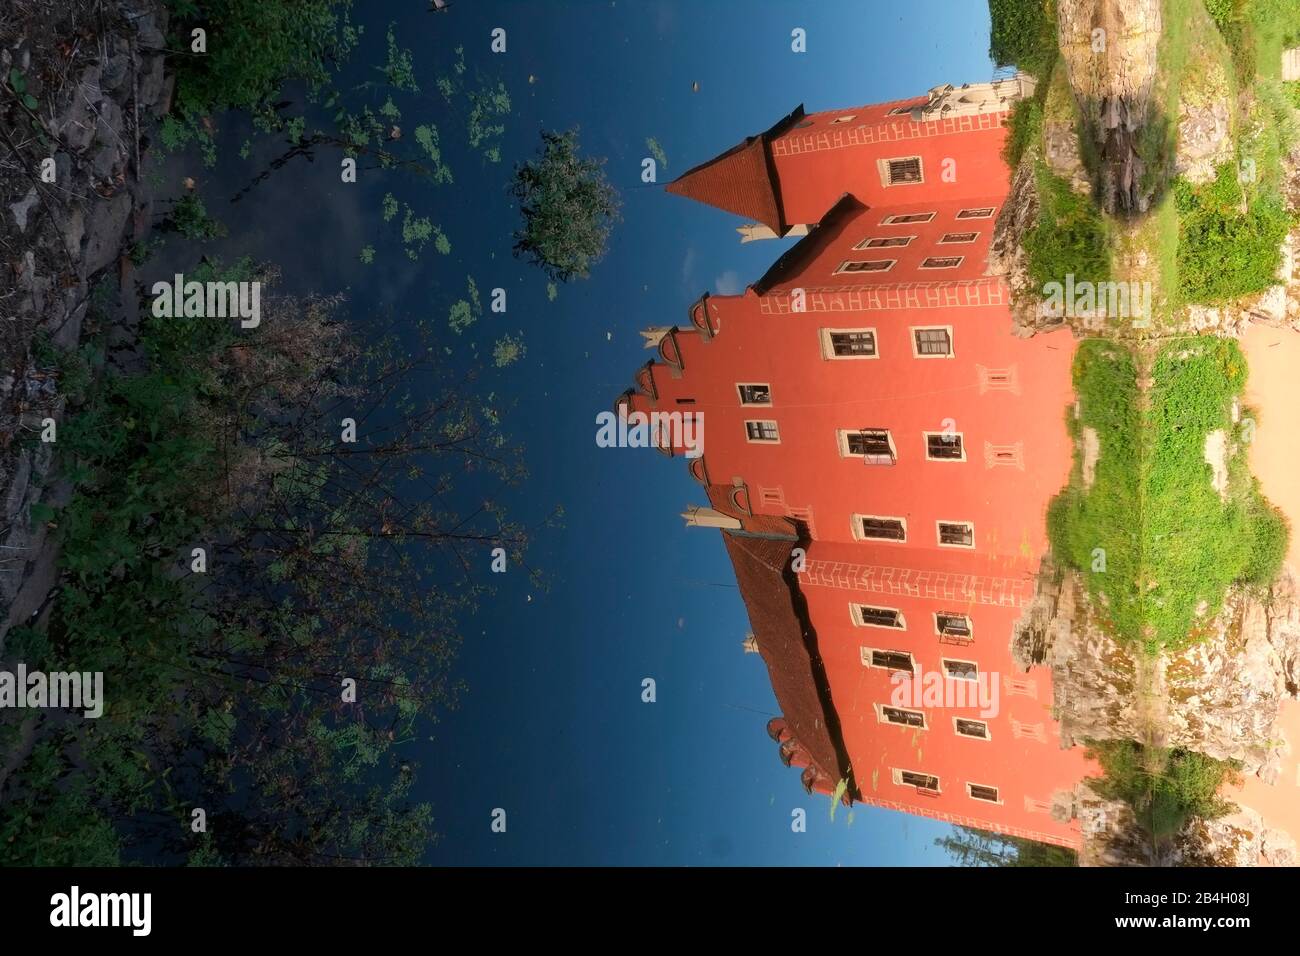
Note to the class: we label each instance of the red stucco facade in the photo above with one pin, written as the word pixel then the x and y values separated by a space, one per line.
pixel 906 440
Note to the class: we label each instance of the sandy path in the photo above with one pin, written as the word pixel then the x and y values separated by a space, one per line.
pixel 1274 392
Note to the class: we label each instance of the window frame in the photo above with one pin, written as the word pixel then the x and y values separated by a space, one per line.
pixel 945 661
pixel 940 632
pixel 842 439
pixel 917 353
pixel 896 774
pixel 826 337
pixel 859 533
pixel 961 441
pixel 906 219
pixel 867 655
pixel 885 165
pixel 946 239
pixel 884 242
pixel 860 621
pixel 762 441
pixel 956 729
pixel 740 394
pixel 925 263
pixel 843 267
pixel 880 717
pixel 938 534
pixel 963 217
pixel 997 793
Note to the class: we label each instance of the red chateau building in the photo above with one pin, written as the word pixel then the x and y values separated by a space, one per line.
pixel 867 402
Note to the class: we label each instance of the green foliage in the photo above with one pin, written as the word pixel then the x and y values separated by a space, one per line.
pixel 1228 245
pixel 255 47
pixel 657 152
pixel 1165 788
pixel 1024 127
pixel 569 208
pixel 1172 546
pixel 321 563
pixel 1023 34
pixel 51 820
pixel 508 350
pixel 1070 236
pixel 189 217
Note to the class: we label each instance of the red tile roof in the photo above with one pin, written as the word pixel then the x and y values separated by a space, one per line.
pixel 742 180
pixel 788 646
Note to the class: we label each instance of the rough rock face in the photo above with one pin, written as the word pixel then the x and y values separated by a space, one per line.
pixel 1220 697
pixel 1110 51
pixel 1204 126
pixel 1112 837
pixel 66 231
pixel 1061 135
pixel 1007 257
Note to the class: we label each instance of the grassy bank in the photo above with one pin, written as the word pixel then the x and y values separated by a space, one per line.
pixel 1156 543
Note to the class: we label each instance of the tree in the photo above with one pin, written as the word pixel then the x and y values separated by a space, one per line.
pixel 972 847
pixel 568 205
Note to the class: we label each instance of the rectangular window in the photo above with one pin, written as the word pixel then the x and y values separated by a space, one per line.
pixel 951 625
pixel 960 670
pixel 956 534
pixel 958 238
pixel 903 171
pixel 762 431
pixel 880 529
pixel 884 242
pixel 755 394
pixel 971 728
pixel 848 343
pixel 906 219
pixel 874 445
pixel 901 717
pixel 866 265
pixel 978 791
pixel 888 660
pixel 944 446
pixel 941 262
pixel 866 615
pixel 932 342
pixel 913 778
pixel 985 212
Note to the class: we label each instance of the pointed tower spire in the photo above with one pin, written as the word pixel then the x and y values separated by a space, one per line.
pixel 742 180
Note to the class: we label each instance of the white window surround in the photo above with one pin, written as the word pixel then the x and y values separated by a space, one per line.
pixel 938 534
pixel 846 267
pixel 828 344
pixel 762 441
pixel 988 734
pixel 945 661
pixel 881 718
pixel 907 218
pixel 860 535
pixel 961 438
pixel 917 353
pixel 842 439
pixel 858 621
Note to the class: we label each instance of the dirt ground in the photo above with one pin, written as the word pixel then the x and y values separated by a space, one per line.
pixel 1274 392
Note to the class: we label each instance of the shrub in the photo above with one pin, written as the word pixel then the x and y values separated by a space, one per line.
pixel 1023 34
pixel 1070 236
pixel 1228 245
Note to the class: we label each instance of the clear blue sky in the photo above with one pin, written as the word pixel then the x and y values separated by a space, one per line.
pixel 553 728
